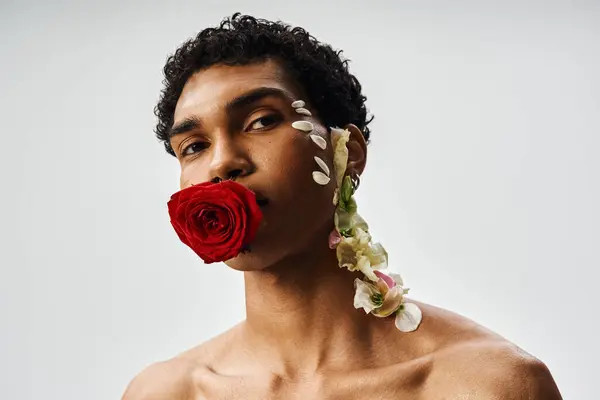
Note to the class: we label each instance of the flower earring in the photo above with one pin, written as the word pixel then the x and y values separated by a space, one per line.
pixel 355 179
pixel 379 294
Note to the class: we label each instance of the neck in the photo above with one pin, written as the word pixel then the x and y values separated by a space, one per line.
pixel 300 315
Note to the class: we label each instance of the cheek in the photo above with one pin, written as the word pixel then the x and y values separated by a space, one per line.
pixel 191 174
pixel 292 168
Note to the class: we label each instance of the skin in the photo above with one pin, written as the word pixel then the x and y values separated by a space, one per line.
pixel 302 338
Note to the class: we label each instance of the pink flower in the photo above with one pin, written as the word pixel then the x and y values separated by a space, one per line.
pixel 334 239
pixel 380 298
pixel 388 280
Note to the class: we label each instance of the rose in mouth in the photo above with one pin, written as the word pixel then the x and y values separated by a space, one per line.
pixel 216 220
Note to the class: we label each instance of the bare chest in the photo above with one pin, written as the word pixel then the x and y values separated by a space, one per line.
pixel 392 383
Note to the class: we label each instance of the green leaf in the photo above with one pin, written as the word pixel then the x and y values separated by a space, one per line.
pixel 347 190
pixel 346 233
pixel 351 206
pixel 344 220
pixel 377 299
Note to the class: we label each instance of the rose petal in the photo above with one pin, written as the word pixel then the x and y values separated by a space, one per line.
pixel 409 319
pixel 215 220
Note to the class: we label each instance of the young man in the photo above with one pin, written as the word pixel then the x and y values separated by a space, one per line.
pixel 255 101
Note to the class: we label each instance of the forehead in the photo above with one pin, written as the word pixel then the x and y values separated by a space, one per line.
pixel 212 88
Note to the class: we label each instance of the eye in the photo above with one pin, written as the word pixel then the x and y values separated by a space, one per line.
pixel 264 122
pixel 193 148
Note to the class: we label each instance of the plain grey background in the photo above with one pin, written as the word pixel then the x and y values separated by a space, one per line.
pixel 482 180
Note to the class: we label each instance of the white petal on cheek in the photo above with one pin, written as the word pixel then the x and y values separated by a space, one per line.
pixel 319 141
pixel 304 126
pixel 303 111
pixel 323 166
pixel 298 104
pixel 320 178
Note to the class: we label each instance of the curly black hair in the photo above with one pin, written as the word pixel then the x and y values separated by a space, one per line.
pixel 240 40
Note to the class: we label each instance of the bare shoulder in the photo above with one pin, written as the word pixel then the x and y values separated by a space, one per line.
pixel 473 362
pixel 166 380
pixel 182 377
pixel 492 369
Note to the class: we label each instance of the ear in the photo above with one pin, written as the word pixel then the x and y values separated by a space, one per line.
pixel 357 150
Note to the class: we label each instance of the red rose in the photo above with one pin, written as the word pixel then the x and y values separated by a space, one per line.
pixel 216 220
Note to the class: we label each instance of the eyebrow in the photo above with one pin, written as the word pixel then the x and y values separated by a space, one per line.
pixel 232 105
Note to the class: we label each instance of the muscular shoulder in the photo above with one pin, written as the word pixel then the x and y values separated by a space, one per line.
pixel 492 369
pixel 167 380
pixel 183 377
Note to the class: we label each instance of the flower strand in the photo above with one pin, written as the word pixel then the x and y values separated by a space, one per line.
pixel 379 294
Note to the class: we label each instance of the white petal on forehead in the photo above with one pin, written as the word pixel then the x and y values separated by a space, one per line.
pixel 303 111
pixel 298 104
pixel 320 178
pixel 323 166
pixel 304 126
pixel 409 319
pixel 319 141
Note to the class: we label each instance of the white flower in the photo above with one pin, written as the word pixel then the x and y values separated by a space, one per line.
pixel 351 253
pixel 358 254
pixel 377 298
pixel 364 266
pixel 345 221
pixel 361 239
pixel 359 222
pixel 397 279
pixel 377 256
pixel 380 294
pixel 364 295
pixel 339 138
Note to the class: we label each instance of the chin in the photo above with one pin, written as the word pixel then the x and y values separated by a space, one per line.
pixel 253 260
pixel 271 248
pixel 263 253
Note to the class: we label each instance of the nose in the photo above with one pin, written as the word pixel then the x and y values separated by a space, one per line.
pixel 229 161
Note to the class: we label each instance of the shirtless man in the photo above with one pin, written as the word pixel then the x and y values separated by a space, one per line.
pixel 225 114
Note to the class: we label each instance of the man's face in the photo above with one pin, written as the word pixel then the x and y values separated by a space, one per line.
pixel 236 121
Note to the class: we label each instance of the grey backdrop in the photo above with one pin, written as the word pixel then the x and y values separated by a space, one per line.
pixel 483 179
